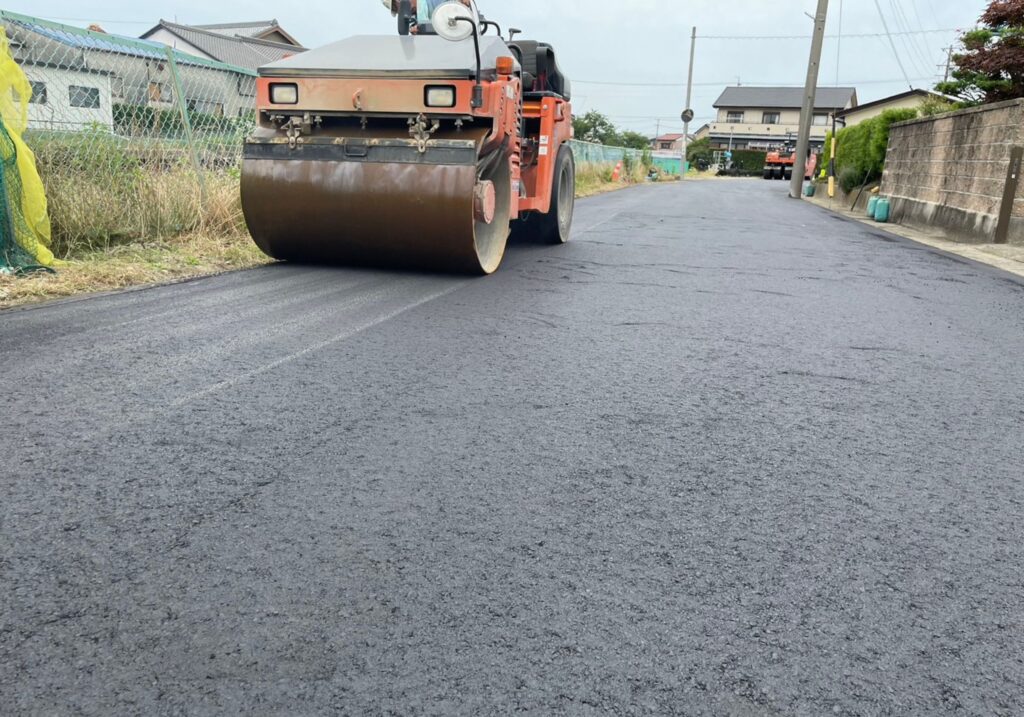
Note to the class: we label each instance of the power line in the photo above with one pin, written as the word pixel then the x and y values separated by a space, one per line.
pixel 729 83
pixel 852 36
pixel 892 42
pixel 105 22
pixel 839 43
pixel 917 55
pixel 920 23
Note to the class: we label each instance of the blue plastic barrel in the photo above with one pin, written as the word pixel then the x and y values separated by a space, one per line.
pixel 882 209
pixel 871 205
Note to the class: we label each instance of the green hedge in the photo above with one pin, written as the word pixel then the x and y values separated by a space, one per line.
pixel 749 160
pixel 861 149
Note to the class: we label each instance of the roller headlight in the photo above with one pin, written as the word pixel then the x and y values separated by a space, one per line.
pixel 440 96
pixel 284 94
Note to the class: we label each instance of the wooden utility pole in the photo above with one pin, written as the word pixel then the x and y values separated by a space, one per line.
pixel 810 90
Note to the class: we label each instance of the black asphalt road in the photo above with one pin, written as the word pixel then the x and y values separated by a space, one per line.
pixel 723 454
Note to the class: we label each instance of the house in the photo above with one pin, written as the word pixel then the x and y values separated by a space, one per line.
pixel 672 143
pixel 769 117
pixel 242 44
pixel 912 99
pixel 85 79
pixel 703 133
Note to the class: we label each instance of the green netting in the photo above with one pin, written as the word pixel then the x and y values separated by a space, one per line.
pixel 18 245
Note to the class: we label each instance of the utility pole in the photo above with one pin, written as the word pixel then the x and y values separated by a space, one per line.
pixel 688 110
pixel 810 90
pixel 949 62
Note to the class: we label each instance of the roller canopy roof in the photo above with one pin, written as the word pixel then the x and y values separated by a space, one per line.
pixel 392 56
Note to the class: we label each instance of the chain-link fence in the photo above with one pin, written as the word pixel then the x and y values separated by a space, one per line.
pixel 591 153
pixel 134 140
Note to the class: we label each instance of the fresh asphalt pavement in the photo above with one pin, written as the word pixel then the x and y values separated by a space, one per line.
pixel 724 453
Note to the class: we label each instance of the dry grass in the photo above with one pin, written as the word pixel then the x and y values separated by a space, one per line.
pixel 594 179
pixel 96 212
pixel 121 224
pixel 135 264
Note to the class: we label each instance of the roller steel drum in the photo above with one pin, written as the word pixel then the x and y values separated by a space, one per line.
pixel 378 202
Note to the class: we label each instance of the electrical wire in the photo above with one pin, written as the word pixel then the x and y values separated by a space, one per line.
pixel 148 23
pixel 892 42
pixel 850 83
pixel 839 43
pixel 852 36
pixel 914 51
pixel 921 40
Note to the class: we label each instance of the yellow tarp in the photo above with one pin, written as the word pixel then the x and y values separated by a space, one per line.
pixel 15 93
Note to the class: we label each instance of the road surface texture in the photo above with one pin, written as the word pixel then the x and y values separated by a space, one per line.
pixel 722 454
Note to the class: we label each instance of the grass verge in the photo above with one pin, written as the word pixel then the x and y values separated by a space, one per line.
pixel 134 264
pixel 592 179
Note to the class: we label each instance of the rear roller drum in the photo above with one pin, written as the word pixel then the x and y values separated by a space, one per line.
pixel 555 226
pixel 557 223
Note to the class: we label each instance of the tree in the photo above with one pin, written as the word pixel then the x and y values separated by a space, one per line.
pixel 634 140
pixel 595 127
pixel 992 67
pixel 699 152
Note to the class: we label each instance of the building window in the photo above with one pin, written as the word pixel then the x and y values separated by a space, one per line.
pixel 771 118
pixel 159 92
pixel 88 97
pixel 117 88
pixel 38 93
pixel 734 117
pixel 206 107
pixel 666 145
pixel 821 120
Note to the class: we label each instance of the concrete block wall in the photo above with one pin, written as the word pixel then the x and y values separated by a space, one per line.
pixel 949 172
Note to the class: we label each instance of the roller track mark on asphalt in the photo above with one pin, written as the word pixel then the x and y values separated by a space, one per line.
pixel 319 346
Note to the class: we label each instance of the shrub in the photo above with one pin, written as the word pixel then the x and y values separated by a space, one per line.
pixel 628 163
pixel 647 159
pixel 860 155
pixel 749 161
pixel 699 152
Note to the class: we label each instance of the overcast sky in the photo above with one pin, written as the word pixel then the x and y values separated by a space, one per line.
pixel 605 45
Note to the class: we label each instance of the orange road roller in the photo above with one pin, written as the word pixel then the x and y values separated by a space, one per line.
pixel 422 150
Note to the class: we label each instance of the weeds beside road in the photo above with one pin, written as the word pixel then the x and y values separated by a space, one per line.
pixel 134 264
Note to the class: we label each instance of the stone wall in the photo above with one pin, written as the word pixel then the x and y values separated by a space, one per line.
pixel 949 172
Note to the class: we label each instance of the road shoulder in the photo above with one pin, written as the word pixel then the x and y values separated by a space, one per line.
pixel 1008 257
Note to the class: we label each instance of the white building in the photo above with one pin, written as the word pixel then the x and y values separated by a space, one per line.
pixel 86 79
pixel 68 99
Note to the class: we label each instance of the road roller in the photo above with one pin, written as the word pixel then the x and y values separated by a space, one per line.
pixel 424 149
